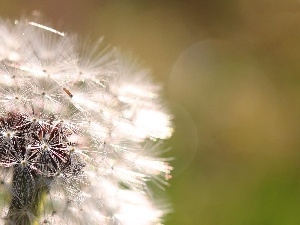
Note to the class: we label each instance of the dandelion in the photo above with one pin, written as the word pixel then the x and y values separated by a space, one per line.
pixel 79 132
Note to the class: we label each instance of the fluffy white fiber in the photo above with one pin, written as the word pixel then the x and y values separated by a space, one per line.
pixel 79 132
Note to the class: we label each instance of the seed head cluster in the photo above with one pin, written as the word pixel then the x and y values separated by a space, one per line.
pixel 80 132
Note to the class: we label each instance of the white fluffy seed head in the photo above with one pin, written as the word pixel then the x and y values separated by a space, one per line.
pixel 79 126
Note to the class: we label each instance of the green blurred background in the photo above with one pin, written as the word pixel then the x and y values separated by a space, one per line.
pixel 231 74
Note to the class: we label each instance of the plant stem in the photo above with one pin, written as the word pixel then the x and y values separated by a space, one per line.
pixel 28 191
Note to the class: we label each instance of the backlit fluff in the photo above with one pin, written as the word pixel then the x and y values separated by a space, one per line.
pixel 79 132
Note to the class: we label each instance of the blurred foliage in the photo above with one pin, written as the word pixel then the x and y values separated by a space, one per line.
pixel 232 76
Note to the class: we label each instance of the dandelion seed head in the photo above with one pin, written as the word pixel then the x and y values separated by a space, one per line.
pixel 77 130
